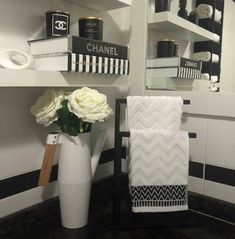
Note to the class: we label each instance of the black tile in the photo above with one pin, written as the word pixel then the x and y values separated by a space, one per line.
pixel 220 175
pixel 23 182
pixel 196 169
pixel 212 207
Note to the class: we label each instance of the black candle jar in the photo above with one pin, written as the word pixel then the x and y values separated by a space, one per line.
pixel 91 27
pixel 162 5
pixel 166 48
pixel 57 23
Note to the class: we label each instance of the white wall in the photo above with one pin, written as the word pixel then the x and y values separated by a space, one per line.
pixel 21 139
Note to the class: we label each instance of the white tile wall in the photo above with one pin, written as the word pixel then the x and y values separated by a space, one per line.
pixel 21 139
pixel 26 199
pixel 221 143
pixel 219 191
pixel 197 146
pixel 195 185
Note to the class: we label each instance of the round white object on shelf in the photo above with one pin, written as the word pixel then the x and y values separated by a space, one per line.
pixel 214 88
pixel 205 76
pixel 214 79
pixel 216 38
pixel 15 59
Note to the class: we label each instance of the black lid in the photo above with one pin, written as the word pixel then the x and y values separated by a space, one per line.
pixel 57 11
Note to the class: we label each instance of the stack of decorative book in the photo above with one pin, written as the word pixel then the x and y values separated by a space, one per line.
pixel 177 67
pixel 77 54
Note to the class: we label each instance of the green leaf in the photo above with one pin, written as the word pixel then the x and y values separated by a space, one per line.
pixel 64 103
pixel 72 131
pixel 69 122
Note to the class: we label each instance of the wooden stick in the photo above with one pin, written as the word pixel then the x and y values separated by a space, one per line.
pixel 50 148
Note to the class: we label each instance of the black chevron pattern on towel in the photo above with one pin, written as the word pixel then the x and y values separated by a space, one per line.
pixel 172 194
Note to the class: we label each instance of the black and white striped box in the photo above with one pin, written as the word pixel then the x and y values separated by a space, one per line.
pixel 82 63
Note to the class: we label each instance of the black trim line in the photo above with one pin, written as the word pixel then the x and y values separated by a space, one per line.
pixel 220 175
pixel 196 169
pixel 23 182
pixel 20 183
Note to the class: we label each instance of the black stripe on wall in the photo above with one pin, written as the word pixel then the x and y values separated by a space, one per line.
pixel 220 175
pixel 23 182
pixel 27 181
pixel 196 169
pixel 20 183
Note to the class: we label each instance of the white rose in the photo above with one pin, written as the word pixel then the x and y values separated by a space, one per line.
pixel 46 106
pixel 89 105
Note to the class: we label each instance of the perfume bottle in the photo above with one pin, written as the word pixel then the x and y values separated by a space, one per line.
pixel 193 17
pixel 183 12
pixel 162 5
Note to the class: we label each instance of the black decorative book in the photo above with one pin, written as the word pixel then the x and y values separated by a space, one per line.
pixel 82 63
pixel 78 45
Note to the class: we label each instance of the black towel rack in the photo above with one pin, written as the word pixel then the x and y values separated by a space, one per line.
pixel 119 135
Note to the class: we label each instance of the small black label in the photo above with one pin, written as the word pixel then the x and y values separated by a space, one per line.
pixel 60 25
pixel 190 64
pixel 98 48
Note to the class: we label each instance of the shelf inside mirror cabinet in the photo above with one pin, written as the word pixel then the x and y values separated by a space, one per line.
pixel 34 78
pixel 101 5
pixel 169 23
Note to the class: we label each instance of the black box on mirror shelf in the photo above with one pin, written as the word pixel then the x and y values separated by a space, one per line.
pixel 210 46
pixel 212 68
pixel 210 25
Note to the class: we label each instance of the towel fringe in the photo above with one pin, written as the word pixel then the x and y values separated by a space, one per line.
pixel 159 203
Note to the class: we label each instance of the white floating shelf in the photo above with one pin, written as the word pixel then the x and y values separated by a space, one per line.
pixel 101 5
pixel 169 23
pixel 33 78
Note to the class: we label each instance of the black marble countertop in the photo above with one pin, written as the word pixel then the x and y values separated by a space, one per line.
pixel 43 222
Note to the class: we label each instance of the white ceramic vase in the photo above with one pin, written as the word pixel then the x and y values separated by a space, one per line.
pixel 74 178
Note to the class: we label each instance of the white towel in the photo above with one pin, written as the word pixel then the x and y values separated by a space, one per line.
pixel 158 170
pixel 206 56
pixel 154 112
pixel 206 11
pixel 214 89
pixel 216 38
pixel 214 79
pixel 206 76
